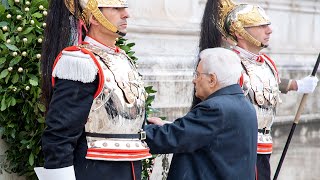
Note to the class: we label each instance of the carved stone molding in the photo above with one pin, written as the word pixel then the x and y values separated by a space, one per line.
pixel 305 6
pixel 301 6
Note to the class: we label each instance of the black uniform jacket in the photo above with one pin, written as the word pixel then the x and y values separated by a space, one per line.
pixel 216 140
pixel 64 142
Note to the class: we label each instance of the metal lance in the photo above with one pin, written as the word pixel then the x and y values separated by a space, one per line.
pixel 295 122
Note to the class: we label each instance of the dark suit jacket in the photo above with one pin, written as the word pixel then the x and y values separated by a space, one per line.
pixel 216 140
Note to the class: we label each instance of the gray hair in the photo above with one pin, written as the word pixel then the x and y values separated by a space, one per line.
pixel 224 63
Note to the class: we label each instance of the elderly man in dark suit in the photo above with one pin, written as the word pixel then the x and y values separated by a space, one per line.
pixel 217 139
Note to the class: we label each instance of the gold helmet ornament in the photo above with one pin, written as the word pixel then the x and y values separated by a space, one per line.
pixel 91 7
pixel 236 17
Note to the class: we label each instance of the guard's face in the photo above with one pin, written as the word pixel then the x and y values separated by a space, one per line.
pixel 261 33
pixel 201 83
pixel 117 16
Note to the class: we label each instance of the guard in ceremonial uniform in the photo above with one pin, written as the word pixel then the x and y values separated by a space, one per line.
pixel 95 96
pixel 248 27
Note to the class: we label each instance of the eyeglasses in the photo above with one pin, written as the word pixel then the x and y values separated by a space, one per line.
pixel 196 74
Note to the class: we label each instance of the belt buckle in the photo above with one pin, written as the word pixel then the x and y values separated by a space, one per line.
pixel 143 134
pixel 265 131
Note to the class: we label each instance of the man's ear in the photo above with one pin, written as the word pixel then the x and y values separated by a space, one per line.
pixel 213 79
pixel 238 36
pixel 93 20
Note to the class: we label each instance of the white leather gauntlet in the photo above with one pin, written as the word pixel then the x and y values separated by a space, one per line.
pixel 307 84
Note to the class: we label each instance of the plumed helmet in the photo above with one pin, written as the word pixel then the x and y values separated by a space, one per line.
pixel 236 17
pixel 91 7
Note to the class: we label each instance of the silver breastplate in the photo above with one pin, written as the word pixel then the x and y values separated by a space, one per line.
pixel 261 87
pixel 118 110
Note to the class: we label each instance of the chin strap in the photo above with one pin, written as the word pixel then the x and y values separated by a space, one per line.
pixel 80 25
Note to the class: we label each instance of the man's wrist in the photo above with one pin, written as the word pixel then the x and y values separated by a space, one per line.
pixel 293 85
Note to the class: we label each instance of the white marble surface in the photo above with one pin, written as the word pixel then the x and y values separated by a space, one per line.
pixel 166 45
pixel 302 160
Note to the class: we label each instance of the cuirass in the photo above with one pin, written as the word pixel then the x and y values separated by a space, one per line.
pixel 261 87
pixel 118 109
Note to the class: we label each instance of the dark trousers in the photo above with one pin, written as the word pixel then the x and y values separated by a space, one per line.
pixel 263 167
pixel 87 169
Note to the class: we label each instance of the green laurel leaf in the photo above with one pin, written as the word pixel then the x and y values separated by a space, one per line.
pixel 4 73
pixel 33 82
pixel 27 31
pixel 31 159
pixel 2 60
pixel 11 47
pixel 37 15
pixel 15 60
pixel 15 78
pixel 3 104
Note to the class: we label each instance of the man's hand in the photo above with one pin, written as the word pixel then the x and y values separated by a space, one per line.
pixel 307 84
pixel 157 121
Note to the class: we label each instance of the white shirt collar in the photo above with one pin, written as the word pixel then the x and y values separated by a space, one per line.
pixel 246 54
pixel 98 44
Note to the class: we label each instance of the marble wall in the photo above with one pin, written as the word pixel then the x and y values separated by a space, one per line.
pixel 302 159
pixel 166 37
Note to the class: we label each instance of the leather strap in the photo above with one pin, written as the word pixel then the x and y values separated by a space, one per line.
pixel 264 131
pixel 141 135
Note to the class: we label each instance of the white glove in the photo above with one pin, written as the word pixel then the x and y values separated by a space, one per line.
pixel 307 84
pixel 66 173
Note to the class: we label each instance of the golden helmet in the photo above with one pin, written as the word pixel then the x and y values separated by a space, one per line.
pixel 236 17
pixel 91 7
pixel 105 3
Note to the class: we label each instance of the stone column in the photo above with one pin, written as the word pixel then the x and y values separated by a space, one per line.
pixel 166 37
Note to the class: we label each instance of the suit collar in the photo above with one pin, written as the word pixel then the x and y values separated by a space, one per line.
pixel 229 90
